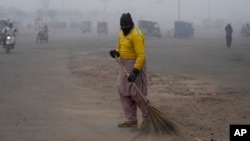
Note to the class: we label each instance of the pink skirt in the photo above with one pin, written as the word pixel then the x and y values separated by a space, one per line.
pixel 126 88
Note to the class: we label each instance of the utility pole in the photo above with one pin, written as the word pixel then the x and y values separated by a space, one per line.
pixel 208 9
pixel 245 10
pixel 63 12
pixel 63 5
pixel 149 8
pixel 179 10
pixel 104 2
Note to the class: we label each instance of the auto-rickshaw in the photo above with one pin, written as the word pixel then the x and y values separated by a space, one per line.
pixel 245 30
pixel 183 29
pixel 102 28
pixel 150 28
pixel 86 26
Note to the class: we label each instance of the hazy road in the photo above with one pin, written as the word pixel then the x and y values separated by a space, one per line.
pixel 206 57
pixel 41 100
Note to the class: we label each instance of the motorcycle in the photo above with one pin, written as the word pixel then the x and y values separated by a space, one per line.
pixel 10 43
pixel 42 36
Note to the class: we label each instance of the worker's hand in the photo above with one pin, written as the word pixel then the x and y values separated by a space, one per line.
pixel 114 53
pixel 133 75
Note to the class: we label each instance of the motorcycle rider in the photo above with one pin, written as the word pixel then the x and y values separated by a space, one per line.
pixel 12 31
pixel 5 30
pixel 45 29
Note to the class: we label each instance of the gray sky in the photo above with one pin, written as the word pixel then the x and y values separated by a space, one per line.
pixel 191 10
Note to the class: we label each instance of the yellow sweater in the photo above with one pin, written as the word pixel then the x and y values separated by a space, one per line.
pixel 132 46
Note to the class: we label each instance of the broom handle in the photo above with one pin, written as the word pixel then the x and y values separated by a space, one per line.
pixel 126 72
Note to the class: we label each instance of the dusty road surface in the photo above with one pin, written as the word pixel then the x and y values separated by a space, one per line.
pixel 65 90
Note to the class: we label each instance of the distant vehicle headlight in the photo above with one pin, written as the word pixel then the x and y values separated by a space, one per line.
pixel 8 37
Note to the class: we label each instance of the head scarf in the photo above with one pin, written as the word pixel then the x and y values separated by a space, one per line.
pixel 126 23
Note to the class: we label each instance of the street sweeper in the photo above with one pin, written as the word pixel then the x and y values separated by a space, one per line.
pixel 131 53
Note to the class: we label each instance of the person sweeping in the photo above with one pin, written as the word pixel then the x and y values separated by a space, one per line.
pixel 132 81
pixel 131 53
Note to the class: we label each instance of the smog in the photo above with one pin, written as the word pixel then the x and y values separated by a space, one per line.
pixel 59 82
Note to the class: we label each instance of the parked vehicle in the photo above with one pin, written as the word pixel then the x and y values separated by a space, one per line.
pixel 86 27
pixel 183 29
pixel 149 28
pixel 245 30
pixel 102 28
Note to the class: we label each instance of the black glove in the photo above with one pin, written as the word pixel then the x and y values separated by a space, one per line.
pixel 114 53
pixel 133 75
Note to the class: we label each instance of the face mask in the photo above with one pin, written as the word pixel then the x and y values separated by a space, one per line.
pixel 126 29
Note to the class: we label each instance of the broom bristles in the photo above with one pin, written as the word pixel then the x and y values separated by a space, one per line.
pixel 159 123
pixel 156 119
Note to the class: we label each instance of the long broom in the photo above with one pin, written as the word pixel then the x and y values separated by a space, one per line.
pixel 157 121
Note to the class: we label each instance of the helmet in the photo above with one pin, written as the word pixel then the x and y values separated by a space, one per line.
pixel 10 25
